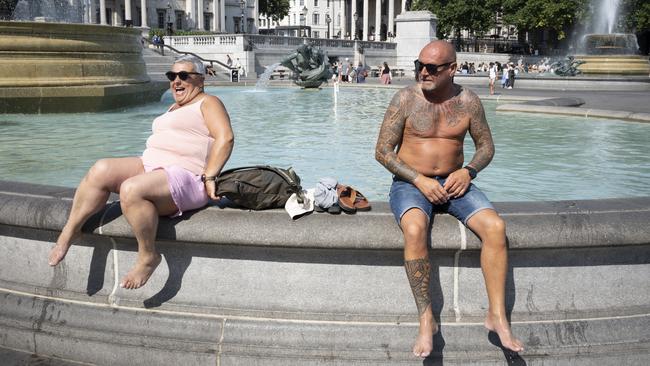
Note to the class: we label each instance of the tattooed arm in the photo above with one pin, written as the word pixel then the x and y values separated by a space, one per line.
pixel 390 135
pixel 480 132
pixel 458 182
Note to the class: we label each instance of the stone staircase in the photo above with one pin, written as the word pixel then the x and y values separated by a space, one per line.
pixel 158 65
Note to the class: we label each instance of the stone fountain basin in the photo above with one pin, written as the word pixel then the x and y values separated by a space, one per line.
pixel 251 288
pixel 55 67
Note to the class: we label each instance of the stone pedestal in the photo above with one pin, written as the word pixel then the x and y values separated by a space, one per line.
pixel 414 30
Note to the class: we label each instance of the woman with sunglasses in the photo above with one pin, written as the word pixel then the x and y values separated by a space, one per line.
pixel 189 146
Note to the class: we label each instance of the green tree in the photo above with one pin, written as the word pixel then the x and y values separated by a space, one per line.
pixel 7 8
pixel 559 16
pixel 476 16
pixel 635 16
pixel 274 9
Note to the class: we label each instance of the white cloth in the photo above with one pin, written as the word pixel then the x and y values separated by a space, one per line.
pixel 295 209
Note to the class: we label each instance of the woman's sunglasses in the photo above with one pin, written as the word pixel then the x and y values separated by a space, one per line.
pixel 183 75
pixel 432 69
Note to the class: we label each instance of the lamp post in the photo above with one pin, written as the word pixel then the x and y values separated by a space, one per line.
pixel 303 18
pixel 170 24
pixel 242 5
pixel 328 20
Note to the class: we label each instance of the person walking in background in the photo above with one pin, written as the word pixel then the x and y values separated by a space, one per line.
pixel 421 143
pixel 385 75
pixel 504 77
pixel 345 70
pixel 511 75
pixel 492 75
pixel 362 73
pixel 189 145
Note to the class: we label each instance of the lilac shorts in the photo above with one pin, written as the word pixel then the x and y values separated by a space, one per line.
pixel 188 192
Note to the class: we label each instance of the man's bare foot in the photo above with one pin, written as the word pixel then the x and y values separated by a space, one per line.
pixel 424 341
pixel 501 327
pixel 140 273
pixel 62 245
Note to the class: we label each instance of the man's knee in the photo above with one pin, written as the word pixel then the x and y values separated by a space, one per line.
pixel 414 227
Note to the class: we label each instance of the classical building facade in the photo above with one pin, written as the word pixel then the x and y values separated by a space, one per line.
pixel 361 19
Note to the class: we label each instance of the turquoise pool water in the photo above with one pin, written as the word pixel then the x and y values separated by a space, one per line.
pixel 538 157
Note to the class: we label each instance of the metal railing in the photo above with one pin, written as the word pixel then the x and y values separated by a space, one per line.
pixel 159 47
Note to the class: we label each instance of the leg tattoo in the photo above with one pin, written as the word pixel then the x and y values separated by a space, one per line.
pixel 417 271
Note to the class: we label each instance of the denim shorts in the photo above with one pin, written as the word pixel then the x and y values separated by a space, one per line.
pixel 405 196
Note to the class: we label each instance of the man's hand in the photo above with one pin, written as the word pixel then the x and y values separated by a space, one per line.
pixel 431 189
pixel 457 183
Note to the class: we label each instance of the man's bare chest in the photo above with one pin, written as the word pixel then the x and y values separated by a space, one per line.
pixel 428 120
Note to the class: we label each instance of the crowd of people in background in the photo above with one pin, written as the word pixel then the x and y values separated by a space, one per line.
pixel 345 72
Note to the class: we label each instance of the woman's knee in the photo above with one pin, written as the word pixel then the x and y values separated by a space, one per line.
pixel 99 172
pixel 130 192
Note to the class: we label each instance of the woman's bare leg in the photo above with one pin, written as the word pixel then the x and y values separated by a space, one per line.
pixel 104 177
pixel 143 199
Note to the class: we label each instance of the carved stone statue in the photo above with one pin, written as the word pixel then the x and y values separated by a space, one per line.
pixel 309 65
pixel 567 67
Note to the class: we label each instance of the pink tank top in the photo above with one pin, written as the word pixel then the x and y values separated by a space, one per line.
pixel 180 137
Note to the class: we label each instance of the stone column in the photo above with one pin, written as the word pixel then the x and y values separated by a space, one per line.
pixel 256 16
pixel 344 19
pixel 91 13
pixel 415 29
pixel 128 19
pixel 391 17
pixel 190 6
pixel 365 20
pixel 378 20
pixel 143 13
pixel 199 15
pixel 403 6
pixel 353 22
pixel 222 15
pixel 102 12
pixel 215 15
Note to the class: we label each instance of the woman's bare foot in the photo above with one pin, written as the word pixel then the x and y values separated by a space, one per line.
pixel 140 273
pixel 501 327
pixel 63 243
pixel 424 341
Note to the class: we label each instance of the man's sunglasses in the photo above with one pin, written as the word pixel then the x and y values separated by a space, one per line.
pixel 183 75
pixel 432 69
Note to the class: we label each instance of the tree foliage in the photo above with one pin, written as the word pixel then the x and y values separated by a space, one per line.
pixel 635 16
pixel 7 8
pixel 476 16
pixel 539 14
pixel 274 9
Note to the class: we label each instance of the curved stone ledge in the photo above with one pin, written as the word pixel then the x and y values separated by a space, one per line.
pixel 572 111
pixel 240 287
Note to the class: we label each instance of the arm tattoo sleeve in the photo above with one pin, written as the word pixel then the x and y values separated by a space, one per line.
pixel 417 271
pixel 480 132
pixel 390 135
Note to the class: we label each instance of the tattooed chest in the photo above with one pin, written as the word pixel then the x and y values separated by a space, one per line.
pixel 442 120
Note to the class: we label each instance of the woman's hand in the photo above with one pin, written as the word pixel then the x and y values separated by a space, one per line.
pixel 211 189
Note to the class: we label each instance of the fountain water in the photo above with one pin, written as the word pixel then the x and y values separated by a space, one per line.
pixel 606 52
pixel 263 81
pixel 64 67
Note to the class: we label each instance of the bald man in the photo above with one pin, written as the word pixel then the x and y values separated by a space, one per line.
pixel 421 143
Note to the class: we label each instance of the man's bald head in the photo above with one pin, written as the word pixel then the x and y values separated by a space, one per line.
pixel 438 52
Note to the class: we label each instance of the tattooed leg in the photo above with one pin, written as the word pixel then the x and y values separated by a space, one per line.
pixel 414 225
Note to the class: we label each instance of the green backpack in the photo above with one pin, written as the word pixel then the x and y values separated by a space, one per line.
pixel 259 187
